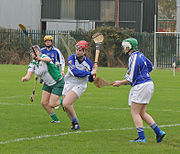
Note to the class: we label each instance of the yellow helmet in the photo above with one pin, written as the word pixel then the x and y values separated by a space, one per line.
pixel 48 37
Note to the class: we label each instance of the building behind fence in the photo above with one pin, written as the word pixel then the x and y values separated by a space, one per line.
pixel 77 14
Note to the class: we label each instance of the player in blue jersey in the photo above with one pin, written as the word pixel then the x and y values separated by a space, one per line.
pixel 54 53
pixel 142 89
pixel 80 71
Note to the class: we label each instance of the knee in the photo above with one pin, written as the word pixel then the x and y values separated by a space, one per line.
pixel 134 113
pixel 66 105
pixel 51 105
pixel 44 103
pixel 143 115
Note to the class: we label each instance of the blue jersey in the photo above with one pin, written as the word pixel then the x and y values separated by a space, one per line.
pixel 138 69
pixel 55 55
pixel 79 71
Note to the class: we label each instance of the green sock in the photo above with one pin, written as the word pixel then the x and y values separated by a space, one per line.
pixel 61 101
pixel 54 116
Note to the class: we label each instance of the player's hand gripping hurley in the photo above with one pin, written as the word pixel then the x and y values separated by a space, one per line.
pixel 98 39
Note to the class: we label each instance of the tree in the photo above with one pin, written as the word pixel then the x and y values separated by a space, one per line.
pixel 167 9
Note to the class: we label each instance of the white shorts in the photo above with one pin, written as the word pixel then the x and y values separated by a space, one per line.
pixel 141 93
pixel 79 89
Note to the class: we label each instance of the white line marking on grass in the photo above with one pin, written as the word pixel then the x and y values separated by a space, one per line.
pixel 77 132
pixel 21 104
pixel 95 107
pixel 17 96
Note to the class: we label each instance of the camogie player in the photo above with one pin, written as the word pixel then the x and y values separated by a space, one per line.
pixel 80 71
pixel 142 89
pixel 54 53
pixel 43 67
pixel 56 57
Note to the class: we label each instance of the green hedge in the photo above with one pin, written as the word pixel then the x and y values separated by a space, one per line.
pixel 14 45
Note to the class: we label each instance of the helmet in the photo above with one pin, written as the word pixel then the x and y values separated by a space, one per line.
pixel 132 43
pixel 48 37
pixel 82 45
pixel 36 48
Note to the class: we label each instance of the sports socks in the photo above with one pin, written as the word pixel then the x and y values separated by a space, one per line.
pixel 140 131
pixel 54 116
pixel 61 101
pixel 75 119
pixel 155 128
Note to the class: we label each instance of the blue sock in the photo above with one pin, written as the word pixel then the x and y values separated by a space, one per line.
pixel 140 131
pixel 155 128
pixel 74 119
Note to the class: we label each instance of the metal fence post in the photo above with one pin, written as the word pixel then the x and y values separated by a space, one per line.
pixel 155 60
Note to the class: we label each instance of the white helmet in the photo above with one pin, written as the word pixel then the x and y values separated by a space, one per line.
pixel 126 45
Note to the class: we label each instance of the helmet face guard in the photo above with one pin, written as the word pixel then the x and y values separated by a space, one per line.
pixel 126 46
pixel 36 49
pixel 131 44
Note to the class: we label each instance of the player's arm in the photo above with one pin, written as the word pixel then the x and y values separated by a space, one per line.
pixel 75 71
pixel 119 83
pixel 94 69
pixel 129 74
pixel 30 71
pixel 27 76
pixel 132 70
pixel 149 65
pixel 44 58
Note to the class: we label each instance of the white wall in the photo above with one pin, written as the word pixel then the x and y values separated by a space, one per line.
pixel 65 25
pixel 178 16
pixel 14 12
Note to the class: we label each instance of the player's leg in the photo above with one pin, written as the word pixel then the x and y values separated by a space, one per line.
pixel 57 90
pixel 45 100
pixel 54 99
pixel 145 116
pixel 59 103
pixel 149 120
pixel 68 101
pixel 45 103
pixel 138 121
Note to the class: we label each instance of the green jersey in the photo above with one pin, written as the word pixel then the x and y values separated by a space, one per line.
pixel 48 72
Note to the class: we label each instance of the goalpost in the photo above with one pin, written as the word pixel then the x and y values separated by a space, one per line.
pixel 66 43
pixel 166 50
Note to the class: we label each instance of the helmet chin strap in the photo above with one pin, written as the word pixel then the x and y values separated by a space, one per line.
pixel 127 53
pixel 49 47
pixel 130 51
pixel 81 57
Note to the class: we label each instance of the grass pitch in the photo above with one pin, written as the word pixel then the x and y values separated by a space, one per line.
pixel 104 115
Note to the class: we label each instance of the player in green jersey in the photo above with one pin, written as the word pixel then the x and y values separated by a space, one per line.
pixel 43 67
